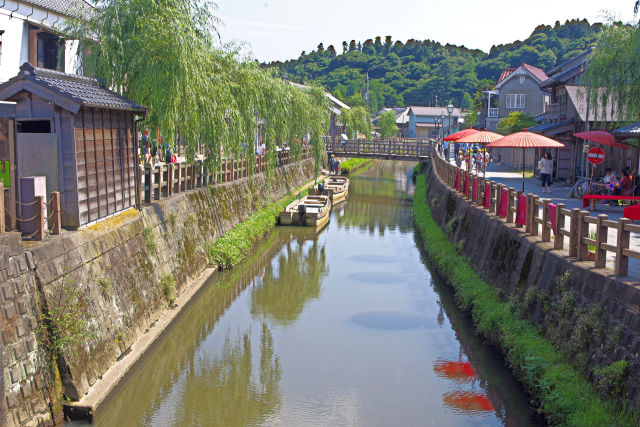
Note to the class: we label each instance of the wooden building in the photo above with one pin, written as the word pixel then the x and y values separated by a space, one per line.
pixel 78 134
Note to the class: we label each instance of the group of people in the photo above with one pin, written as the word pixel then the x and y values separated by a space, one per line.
pixel 155 152
pixel 613 184
pixel 616 185
pixel 334 165
pixel 478 159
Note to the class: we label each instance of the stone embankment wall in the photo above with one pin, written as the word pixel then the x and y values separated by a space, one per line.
pixel 124 271
pixel 592 317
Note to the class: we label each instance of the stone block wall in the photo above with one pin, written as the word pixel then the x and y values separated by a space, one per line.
pixel 589 314
pixel 120 268
pixel 24 370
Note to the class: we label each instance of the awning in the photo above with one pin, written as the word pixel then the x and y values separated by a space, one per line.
pixel 425 125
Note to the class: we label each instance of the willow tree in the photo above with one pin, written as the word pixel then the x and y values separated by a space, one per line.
pixel 356 120
pixel 387 123
pixel 613 76
pixel 164 54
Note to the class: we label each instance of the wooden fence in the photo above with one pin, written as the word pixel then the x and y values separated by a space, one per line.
pixel 410 149
pixel 163 180
pixel 576 227
pixel 155 183
pixel 44 215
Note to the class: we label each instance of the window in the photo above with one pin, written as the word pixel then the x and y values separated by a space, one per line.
pixel 46 50
pixel 50 51
pixel 33 126
pixel 515 100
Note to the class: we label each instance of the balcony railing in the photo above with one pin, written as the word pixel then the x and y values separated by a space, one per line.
pixel 493 112
pixel 553 112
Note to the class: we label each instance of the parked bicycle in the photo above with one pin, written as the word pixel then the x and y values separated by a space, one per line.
pixel 585 186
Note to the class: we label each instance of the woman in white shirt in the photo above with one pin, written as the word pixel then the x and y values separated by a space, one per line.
pixel 546 169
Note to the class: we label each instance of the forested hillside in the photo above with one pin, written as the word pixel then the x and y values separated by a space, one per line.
pixel 414 72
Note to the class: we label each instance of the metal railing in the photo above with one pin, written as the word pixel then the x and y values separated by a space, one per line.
pixel 493 112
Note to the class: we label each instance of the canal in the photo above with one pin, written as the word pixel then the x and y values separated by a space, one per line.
pixel 347 327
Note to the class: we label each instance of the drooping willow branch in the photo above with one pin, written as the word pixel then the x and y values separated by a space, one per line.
pixel 162 54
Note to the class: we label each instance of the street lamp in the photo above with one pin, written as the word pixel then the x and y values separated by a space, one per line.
pixel 438 122
pixel 450 111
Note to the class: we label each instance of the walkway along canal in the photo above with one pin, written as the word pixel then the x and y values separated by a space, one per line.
pixel 347 327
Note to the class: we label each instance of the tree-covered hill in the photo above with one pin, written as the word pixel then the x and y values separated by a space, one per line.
pixel 414 72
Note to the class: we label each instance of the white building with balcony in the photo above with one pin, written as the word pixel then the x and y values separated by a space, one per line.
pixel 31 31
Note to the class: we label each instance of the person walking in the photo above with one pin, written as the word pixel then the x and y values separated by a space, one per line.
pixel 546 169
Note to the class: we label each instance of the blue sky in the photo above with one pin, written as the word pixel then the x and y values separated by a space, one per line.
pixel 282 29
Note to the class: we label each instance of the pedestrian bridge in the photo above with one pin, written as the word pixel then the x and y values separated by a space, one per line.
pixel 392 149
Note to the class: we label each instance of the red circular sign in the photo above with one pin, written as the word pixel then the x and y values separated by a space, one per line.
pixel 595 155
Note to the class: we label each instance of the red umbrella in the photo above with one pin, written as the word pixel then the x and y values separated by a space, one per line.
pixel 601 137
pixel 525 140
pixel 460 134
pixel 483 137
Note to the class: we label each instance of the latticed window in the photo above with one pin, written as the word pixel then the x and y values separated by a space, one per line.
pixel 515 100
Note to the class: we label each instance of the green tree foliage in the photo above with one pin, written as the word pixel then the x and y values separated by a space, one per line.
pixel 613 77
pixel 387 123
pixel 414 72
pixel 196 92
pixel 515 122
pixel 357 121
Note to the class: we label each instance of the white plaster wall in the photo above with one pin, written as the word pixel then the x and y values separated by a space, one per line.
pixel 14 17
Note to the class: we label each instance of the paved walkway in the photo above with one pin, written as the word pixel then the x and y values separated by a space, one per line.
pixel 504 174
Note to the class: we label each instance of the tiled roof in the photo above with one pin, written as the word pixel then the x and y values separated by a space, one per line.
pixel 86 91
pixel 506 73
pixel 563 66
pixel 549 126
pixel 536 72
pixel 76 8
pixel 630 131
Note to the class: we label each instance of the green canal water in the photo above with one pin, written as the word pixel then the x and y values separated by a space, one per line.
pixel 344 328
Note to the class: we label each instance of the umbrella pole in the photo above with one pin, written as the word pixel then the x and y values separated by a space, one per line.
pixel 523 170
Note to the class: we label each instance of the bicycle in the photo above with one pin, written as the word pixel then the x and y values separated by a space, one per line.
pixel 580 188
pixel 585 186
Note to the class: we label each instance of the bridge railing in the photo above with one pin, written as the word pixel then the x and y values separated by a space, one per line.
pixel 412 148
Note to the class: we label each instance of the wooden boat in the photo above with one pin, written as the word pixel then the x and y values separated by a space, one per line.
pixel 310 211
pixel 336 187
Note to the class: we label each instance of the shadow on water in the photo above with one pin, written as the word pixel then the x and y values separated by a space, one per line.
pixel 479 379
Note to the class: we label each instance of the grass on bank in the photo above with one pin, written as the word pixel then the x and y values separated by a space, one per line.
pixel 351 165
pixel 229 249
pixel 565 397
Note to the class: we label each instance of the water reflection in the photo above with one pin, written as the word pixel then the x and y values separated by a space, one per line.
pixel 380 202
pixel 365 342
pixel 197 370
pixel 479 383
pixel 229 393
pixel 293 281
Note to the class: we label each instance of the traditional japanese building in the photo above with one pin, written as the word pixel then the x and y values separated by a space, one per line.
pixel 79 135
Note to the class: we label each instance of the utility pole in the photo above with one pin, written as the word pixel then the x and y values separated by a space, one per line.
pixel 366 95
